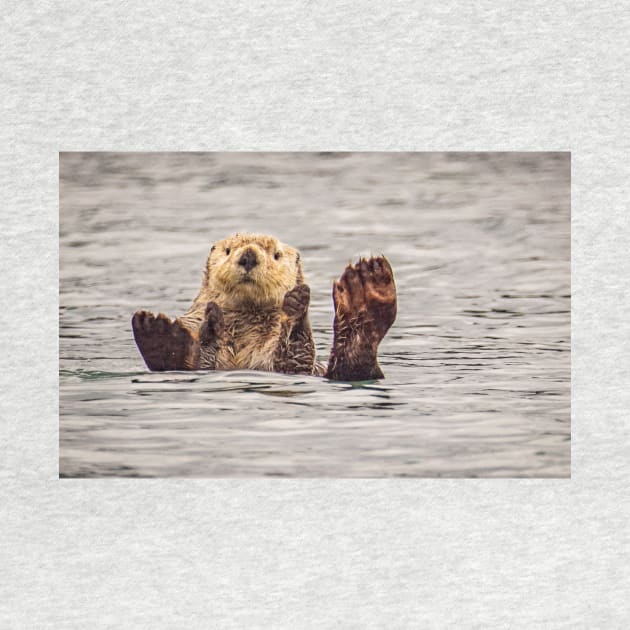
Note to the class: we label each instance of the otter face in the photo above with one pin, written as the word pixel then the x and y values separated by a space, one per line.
pixel 251 268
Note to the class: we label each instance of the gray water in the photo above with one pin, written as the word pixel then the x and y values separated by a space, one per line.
pixel 477 364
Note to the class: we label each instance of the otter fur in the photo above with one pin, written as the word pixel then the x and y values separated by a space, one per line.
pixel 252 313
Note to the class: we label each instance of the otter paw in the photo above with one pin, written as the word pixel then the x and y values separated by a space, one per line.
pixel 296 301
pixel 365 296
pixel 213 325
pixel 164 344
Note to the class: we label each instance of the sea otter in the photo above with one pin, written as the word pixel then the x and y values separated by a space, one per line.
pixel 252 313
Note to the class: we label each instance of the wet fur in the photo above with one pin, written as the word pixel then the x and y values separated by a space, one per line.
pixel 257 318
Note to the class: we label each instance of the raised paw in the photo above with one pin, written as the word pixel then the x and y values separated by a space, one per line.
pixel 164 344
pixel 365 296
pixel 213 325
pixel 296 301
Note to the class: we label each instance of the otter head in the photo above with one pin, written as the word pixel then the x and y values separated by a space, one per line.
pixel 252 269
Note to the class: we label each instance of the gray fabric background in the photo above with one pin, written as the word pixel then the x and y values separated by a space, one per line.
pixel 299 553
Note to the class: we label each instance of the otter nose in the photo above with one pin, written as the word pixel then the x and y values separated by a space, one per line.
pixel 248 260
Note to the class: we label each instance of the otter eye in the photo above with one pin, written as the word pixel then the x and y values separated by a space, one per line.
pixel 227 251
pixel 277 255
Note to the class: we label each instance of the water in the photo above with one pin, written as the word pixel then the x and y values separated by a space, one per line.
pixel 477 364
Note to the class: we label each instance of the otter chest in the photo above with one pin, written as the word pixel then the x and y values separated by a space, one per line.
pixel 251 340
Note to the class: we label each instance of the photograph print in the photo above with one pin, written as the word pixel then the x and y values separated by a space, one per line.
pixel 363 315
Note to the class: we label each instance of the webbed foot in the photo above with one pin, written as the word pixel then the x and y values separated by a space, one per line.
pixel 164 344
pixel 365 309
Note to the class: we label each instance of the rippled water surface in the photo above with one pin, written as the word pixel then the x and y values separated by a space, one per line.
pixel 477 364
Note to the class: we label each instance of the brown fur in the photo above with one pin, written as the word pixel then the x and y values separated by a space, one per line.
pixel 252 313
